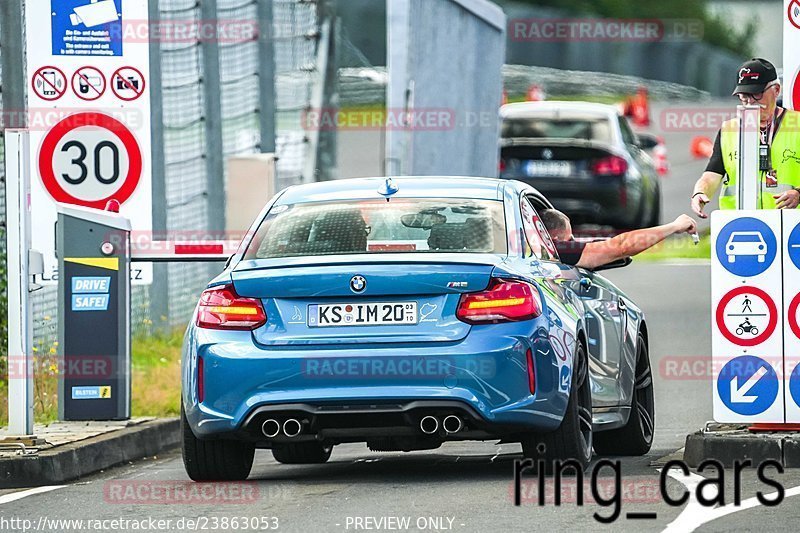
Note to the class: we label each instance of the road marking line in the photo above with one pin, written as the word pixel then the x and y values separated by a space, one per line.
pixel 695 515
pixel 8 498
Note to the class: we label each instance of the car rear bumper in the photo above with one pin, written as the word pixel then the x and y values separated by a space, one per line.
pixel 483 379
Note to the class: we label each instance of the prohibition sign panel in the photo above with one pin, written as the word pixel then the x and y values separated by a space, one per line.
pixel 127 83
pixel 746 316
pixel 90 158
pixel 88 83
pixel 49 83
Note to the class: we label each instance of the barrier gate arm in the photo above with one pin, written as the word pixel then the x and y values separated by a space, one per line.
pixel 182 251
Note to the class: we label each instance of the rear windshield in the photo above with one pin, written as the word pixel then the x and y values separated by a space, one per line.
pixel 561 126
pixel 377 226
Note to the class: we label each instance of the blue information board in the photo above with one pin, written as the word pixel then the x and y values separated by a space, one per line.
pixel 86 28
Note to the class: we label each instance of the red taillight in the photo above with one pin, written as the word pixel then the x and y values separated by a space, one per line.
pixel 531 371
pixel 502 165
pixel 503 301
pixel 222 308
pixel 201 378
pixel 612 165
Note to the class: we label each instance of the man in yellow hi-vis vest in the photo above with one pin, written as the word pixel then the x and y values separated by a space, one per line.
pixel 779 174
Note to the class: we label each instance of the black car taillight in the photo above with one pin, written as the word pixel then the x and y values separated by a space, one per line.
pixel 612 165
pixel 221 308
pixel 503 301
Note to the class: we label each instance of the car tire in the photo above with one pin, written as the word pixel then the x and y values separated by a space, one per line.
pixel 635 437
pixel 214 459
pixel 302 453
pixel 573 439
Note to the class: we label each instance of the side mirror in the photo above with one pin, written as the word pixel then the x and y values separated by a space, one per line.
pixel 619 263
pixel 647 141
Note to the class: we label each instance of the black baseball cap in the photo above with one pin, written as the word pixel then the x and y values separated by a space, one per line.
pixel 754 75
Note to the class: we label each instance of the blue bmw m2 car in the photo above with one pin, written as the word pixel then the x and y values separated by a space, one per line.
pixel 405 313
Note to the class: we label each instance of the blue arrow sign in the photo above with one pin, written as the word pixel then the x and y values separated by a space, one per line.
pixel 747 385
pixel 746 247
pixel 794 384
pixel 794 246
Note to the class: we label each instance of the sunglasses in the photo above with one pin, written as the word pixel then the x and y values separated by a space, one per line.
pixel 744 97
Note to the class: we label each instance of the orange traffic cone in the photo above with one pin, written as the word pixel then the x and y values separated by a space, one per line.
pixel 660 157
pixel 640 107
pixel 701 147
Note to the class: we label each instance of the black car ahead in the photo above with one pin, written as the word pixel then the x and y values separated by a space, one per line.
pixel 585 158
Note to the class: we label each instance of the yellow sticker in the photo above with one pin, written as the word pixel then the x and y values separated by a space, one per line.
pixel 105 391
pixel 108 263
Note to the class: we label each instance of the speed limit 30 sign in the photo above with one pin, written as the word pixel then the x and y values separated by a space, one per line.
pixel 90 158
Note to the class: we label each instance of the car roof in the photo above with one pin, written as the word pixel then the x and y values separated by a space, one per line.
pixel 408 187
pixel 528 109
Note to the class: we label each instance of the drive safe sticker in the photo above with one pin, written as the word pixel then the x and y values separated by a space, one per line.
pixel 90 302
pixel 91 284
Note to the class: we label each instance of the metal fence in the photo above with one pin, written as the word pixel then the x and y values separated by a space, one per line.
pixel 213 101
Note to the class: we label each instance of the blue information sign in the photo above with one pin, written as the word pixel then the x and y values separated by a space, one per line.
pixel 746 247
pixel 747 385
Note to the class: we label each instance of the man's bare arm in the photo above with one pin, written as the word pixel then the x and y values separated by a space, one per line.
pixel 631 243
pixel 705 188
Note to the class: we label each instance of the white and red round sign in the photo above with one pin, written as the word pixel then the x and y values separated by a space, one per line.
pixel 796 90
pixel 794 13
pixel 127 83
pixel 49 83
pixel 88 83
pixel 746 316
pixel 792 315
pixel 89 158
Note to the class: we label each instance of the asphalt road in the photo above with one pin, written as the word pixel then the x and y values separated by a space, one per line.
pixel 460 487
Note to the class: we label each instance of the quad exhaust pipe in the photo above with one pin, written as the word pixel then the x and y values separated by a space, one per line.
pixel 271 428
pixel 451 424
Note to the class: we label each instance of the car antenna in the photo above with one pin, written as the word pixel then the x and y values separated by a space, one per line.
pixel 388 189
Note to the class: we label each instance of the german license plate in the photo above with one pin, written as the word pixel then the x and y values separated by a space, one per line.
pixel 363 314
pixel 548 169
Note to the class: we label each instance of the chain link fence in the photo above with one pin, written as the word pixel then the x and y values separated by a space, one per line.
pixel 184 89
